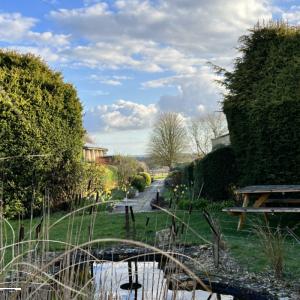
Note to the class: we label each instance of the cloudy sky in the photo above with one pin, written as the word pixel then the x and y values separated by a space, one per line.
pixel 131 59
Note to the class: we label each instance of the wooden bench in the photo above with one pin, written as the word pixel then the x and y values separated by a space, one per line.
pixel 262 194
pixel 262 209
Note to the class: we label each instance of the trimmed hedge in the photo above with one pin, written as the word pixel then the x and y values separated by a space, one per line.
pixel 147 178
pixel 139 183
pixel 263 106
pixel 188 174
pixel 40 115
pixel 218 172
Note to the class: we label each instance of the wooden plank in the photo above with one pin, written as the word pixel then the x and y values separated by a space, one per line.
pixel 284 201
pixel 258 189
pixel 243 215
pixel 262 209
pixel 261 200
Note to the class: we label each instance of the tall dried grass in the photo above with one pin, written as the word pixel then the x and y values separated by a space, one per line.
pixel 30 265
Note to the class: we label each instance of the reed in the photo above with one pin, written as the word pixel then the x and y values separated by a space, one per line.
pixel 27 261
pixel 272 242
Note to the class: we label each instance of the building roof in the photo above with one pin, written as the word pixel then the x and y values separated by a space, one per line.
pixel 93 146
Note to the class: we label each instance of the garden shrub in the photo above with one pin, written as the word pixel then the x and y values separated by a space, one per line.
pixel 118 194
pixel 40 115
pixel 126 167
pixel 147 178
pixel 97 178
pixel 188 174
pixel 262 106
pixel 131 193
pixel 217 172
pixel 174 178
pixel 139 183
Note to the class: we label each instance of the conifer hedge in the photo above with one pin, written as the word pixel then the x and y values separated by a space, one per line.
pixel 217 172
pixel 263 106
pixel 39 115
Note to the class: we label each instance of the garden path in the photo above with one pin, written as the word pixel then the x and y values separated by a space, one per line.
pixel 142 202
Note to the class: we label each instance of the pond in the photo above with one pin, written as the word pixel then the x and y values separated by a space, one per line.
pixel 120 281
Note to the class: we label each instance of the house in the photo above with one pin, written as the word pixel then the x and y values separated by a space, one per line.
pixel 222 140
pixel 92 153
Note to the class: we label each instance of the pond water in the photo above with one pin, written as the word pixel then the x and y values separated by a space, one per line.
pixel 113 278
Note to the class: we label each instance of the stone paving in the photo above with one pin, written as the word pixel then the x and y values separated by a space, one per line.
pixel 142 202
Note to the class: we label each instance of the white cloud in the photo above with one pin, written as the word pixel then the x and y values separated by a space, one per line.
pixel 196 26
pixel 48 38
pixel 14 26
pixel 173 36
pixel 196 93
pixel 92 11
pixel 292 15
pixel 110 80
pixel 121 115
pixel 16 31
pixel 119 54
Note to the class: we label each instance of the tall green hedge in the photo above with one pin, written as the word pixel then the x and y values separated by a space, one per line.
pixel 263 106
pixel 217 172
pixel 39 115
pixel 188 174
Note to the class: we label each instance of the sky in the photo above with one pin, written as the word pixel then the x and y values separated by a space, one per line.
pixel 132 59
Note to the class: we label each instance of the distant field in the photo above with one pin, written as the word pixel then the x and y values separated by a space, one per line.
pixel 160 176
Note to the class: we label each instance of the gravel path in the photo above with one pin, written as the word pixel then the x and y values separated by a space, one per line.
pixel 142 202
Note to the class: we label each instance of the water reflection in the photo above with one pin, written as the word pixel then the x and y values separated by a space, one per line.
pixel 145 281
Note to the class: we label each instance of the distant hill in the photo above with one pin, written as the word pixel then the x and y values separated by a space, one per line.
pixel 185 158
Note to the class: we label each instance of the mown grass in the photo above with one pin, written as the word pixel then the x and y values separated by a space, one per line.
pixel 244 245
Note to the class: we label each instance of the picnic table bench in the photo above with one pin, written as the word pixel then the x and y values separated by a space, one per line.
pixel 262 194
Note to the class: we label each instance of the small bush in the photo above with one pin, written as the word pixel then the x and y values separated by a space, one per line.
pixel 139 183
pixel 147 178
pixel 132 193
pixel 217 172
pixel 174 178
pixel 118 194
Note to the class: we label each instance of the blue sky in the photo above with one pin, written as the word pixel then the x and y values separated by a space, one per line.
pixel 131 59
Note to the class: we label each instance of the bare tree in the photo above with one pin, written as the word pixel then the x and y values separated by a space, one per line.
pixel 204 128
pixel 168 139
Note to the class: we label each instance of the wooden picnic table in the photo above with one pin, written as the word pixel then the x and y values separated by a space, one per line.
pixel 262 194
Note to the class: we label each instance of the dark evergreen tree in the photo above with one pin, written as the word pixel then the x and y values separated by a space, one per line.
pixel 39 115
pixel 262 105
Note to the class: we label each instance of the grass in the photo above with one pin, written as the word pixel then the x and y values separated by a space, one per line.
pixel 31 264
pixel 242 244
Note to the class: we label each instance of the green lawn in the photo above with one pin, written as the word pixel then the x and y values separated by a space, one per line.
pixel 243 245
